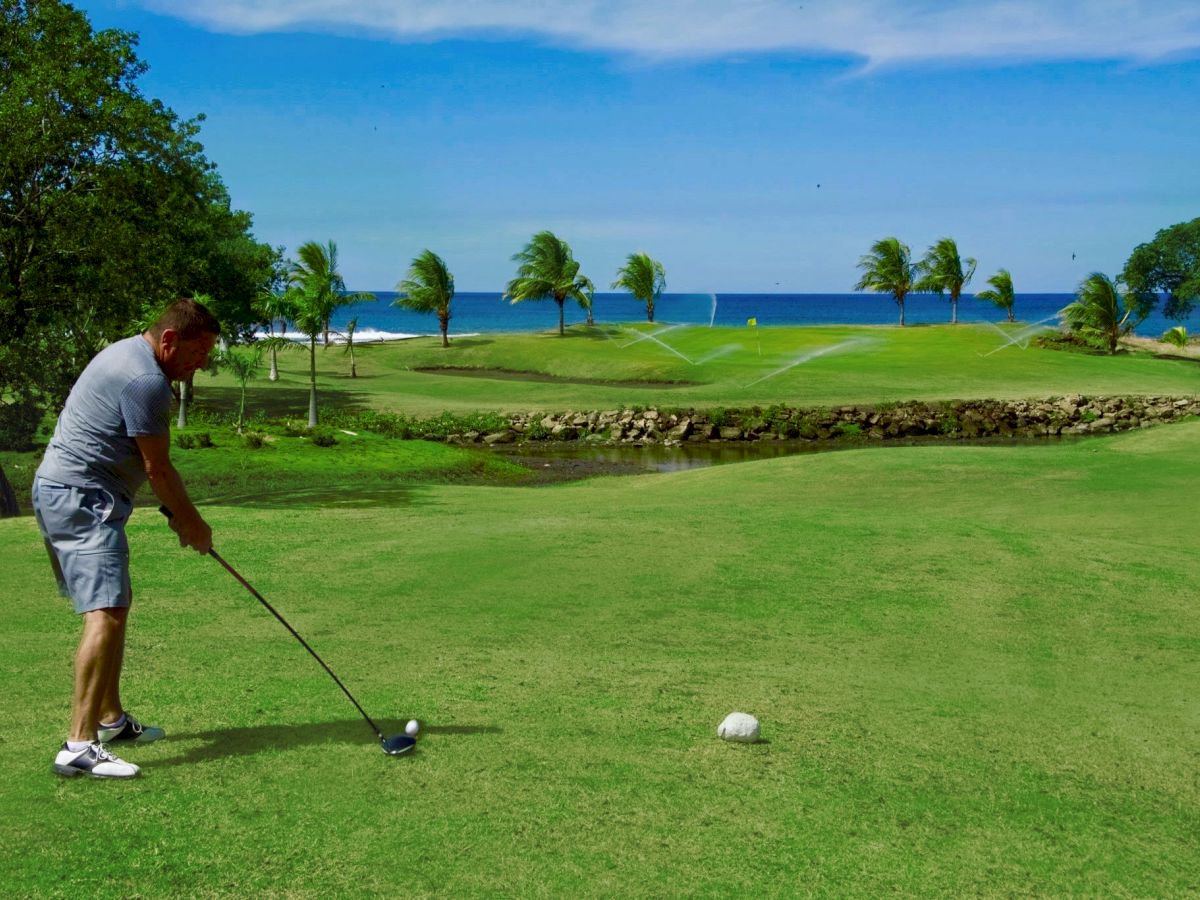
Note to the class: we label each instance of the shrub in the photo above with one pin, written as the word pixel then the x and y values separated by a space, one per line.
pixel 322 436
pixel 536 431
pixel 18 424
pixel 949 424
pixel 719 416
pixel 294 429
pixel 848 429
pixel 1088 415
pixel 185 441
pixel 253 439
pixel 204 439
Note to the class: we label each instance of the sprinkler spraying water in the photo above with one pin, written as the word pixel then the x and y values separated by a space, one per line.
pixel 811 355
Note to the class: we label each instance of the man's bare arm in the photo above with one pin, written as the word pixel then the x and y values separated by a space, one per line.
pixel 168 486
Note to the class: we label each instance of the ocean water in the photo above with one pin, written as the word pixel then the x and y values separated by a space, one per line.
pixel 487 312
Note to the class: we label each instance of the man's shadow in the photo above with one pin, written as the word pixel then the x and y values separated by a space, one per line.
pixel 248 741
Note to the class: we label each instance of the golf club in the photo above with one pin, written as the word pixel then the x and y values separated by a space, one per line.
pixel 392 746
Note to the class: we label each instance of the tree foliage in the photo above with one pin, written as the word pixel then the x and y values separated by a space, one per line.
pixel 1101 313
pixel 942 270
pixel 1169 264
pixel 548 271
pixel 888 269
pixel 1000 293
pixel 108 208
pixel 643 277
pixel 428 288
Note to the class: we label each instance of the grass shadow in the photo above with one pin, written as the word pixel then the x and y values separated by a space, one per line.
pixel 326 497
pixel 226 742
pixel 281 402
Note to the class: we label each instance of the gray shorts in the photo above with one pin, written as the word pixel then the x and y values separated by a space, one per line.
pixel 84 530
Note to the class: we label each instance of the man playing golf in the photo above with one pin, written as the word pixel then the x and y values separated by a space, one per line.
pixel 112 435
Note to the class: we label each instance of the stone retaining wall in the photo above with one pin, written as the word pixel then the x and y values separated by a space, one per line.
pixel 949 419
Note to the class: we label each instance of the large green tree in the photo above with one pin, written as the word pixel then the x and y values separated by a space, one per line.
pixel 943 271
pixel 317 291
pixel 643 277
pixel 888 269
pixel 428 288
pixel 1000 293
pixel 108 207
pixel 1102 314
pixel 548 271
pixel 1169 264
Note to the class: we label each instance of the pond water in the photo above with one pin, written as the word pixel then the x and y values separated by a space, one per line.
pixel 569 461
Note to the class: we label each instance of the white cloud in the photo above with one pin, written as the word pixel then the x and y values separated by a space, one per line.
pixel 880 32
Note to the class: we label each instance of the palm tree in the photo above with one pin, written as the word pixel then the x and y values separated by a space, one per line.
pixel 888 268
pixel 643 277
pixel 242 363
pixel 942 270
pixel 1000 293
pixel 351 327
pixel 428 288
pixel 1101 313
pixel 272 306
pixel 317 290
pixel 1177 337
pixel 548 271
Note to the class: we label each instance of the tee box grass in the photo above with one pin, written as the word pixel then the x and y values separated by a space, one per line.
pixel 975 668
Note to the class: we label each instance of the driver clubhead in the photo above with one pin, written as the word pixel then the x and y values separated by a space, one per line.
pixel 398 744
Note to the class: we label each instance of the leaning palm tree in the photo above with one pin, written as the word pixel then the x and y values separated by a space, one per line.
pixel 317 290
pixel 942 270
pixel 274 306
pixel 548 271
pixel 428 288
pixel 1101 313
pixel 1000 293
pixel 643 277
pixel 888 269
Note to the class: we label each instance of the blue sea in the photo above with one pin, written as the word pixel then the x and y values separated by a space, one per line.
pixel 484 312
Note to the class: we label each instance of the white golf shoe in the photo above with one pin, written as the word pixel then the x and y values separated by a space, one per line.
pixel 93 760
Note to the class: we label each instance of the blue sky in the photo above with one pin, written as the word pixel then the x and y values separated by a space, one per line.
pixel 748 146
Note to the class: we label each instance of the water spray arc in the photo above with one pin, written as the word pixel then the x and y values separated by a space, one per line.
pixel 811 355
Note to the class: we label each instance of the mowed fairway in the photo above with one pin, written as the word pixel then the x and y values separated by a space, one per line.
pixel 609 366
pixel 976 669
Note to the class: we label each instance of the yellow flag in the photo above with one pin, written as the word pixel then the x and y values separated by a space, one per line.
pixel 753 323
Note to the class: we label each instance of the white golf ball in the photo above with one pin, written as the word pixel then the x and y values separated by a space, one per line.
pixel 412 727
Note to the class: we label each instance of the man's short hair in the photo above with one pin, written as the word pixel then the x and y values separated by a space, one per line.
pixel 187 317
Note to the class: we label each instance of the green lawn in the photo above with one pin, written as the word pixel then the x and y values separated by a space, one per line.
pixel 976 669
pixel 710 367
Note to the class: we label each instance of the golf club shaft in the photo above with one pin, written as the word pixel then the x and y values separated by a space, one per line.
pixel 282 621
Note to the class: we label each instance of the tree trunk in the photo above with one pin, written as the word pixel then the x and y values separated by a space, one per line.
pixel 444 324
pixel 353 365
pixel 8 499
pixel 649 310
pixel 900 303
pixel 185 396
pixel 274 376
pixel 953 310
pixel 312 381
pixel 561 327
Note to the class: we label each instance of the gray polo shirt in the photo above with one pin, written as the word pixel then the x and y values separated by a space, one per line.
pixel 120 395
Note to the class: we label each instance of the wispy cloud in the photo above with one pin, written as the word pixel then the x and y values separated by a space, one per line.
pixel 877 32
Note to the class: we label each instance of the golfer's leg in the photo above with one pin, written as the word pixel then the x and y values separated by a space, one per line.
pixel 96 660
pixel 110 702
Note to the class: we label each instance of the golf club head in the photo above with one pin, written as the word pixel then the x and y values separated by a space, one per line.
pixel 398 744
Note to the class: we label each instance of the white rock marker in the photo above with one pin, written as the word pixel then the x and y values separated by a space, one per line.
pixel 739 726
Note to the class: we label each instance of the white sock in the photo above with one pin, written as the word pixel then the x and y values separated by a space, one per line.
pixel 77 746
pixel 117 724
